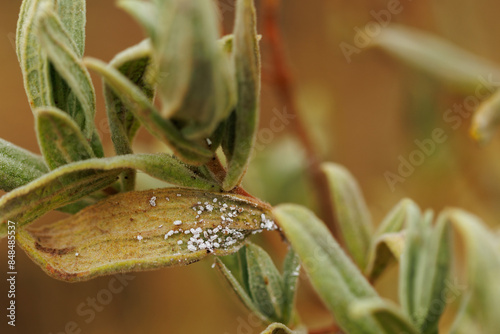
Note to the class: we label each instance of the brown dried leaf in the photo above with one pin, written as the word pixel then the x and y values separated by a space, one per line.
pixel 138 231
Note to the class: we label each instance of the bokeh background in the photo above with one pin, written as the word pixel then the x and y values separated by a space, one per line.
pixel 363 114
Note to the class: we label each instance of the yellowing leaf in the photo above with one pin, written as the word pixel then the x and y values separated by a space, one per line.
pixel 71 182
pixel 144 230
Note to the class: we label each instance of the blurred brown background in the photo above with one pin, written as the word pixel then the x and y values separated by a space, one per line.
pixel 361 114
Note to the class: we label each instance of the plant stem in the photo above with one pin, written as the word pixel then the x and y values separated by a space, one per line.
pixel 219 173
pixel 283 83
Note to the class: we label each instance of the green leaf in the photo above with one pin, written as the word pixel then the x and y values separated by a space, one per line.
pixel 440 58
pixel 388 241
pixel 352 213
pixel 73 18
pixel 386 251
pixel 195 77
pixel 134 64
pixel 140 231
pixel 62 52
pixel 483 270
pixel 246 56
pixel 278 328
pixel 34 62
pixel 60 139
pixel 144 12
pixel 397 219
pixel 243 268
pixel 226 44
pixel 190 152
pixel 387 315
pixel 425 265
pixel 241 292
pixel 265 284
pixel 18 166
pixel 74 181
pixel 335 278
pixel 436 268
pixel 409 262
pixel 291 271
pixel 486 119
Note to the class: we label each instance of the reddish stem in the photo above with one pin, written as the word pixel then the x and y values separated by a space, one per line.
pixel 284 86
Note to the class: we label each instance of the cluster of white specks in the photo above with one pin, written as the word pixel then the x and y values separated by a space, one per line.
pixel 170 233
pixel 152 201
pixel 168 199
pixel 220 237
pixel 267 224
pixel 139 237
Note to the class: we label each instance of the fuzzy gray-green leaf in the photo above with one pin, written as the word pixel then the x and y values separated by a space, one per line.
pixel 133 63
pixel 409 261
pixel 291 271
pixel 240 290
pixel 18 166
pixel 73 18
pixel 265 284
pixel 60 138
pixel 145 12
pixel 483 270
pixel 34 62
pixel 436 56
pixel 74 181
pixel 190 152
pixel 195 81
pixel 246 56
pixel 435 268
pixel 352 213
pixel 425 265
pixel 387 249
pixel 397 219
pixel 387 315
pixel 62 52
pixel 141 230
pixel 333 275
pixel 388 241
